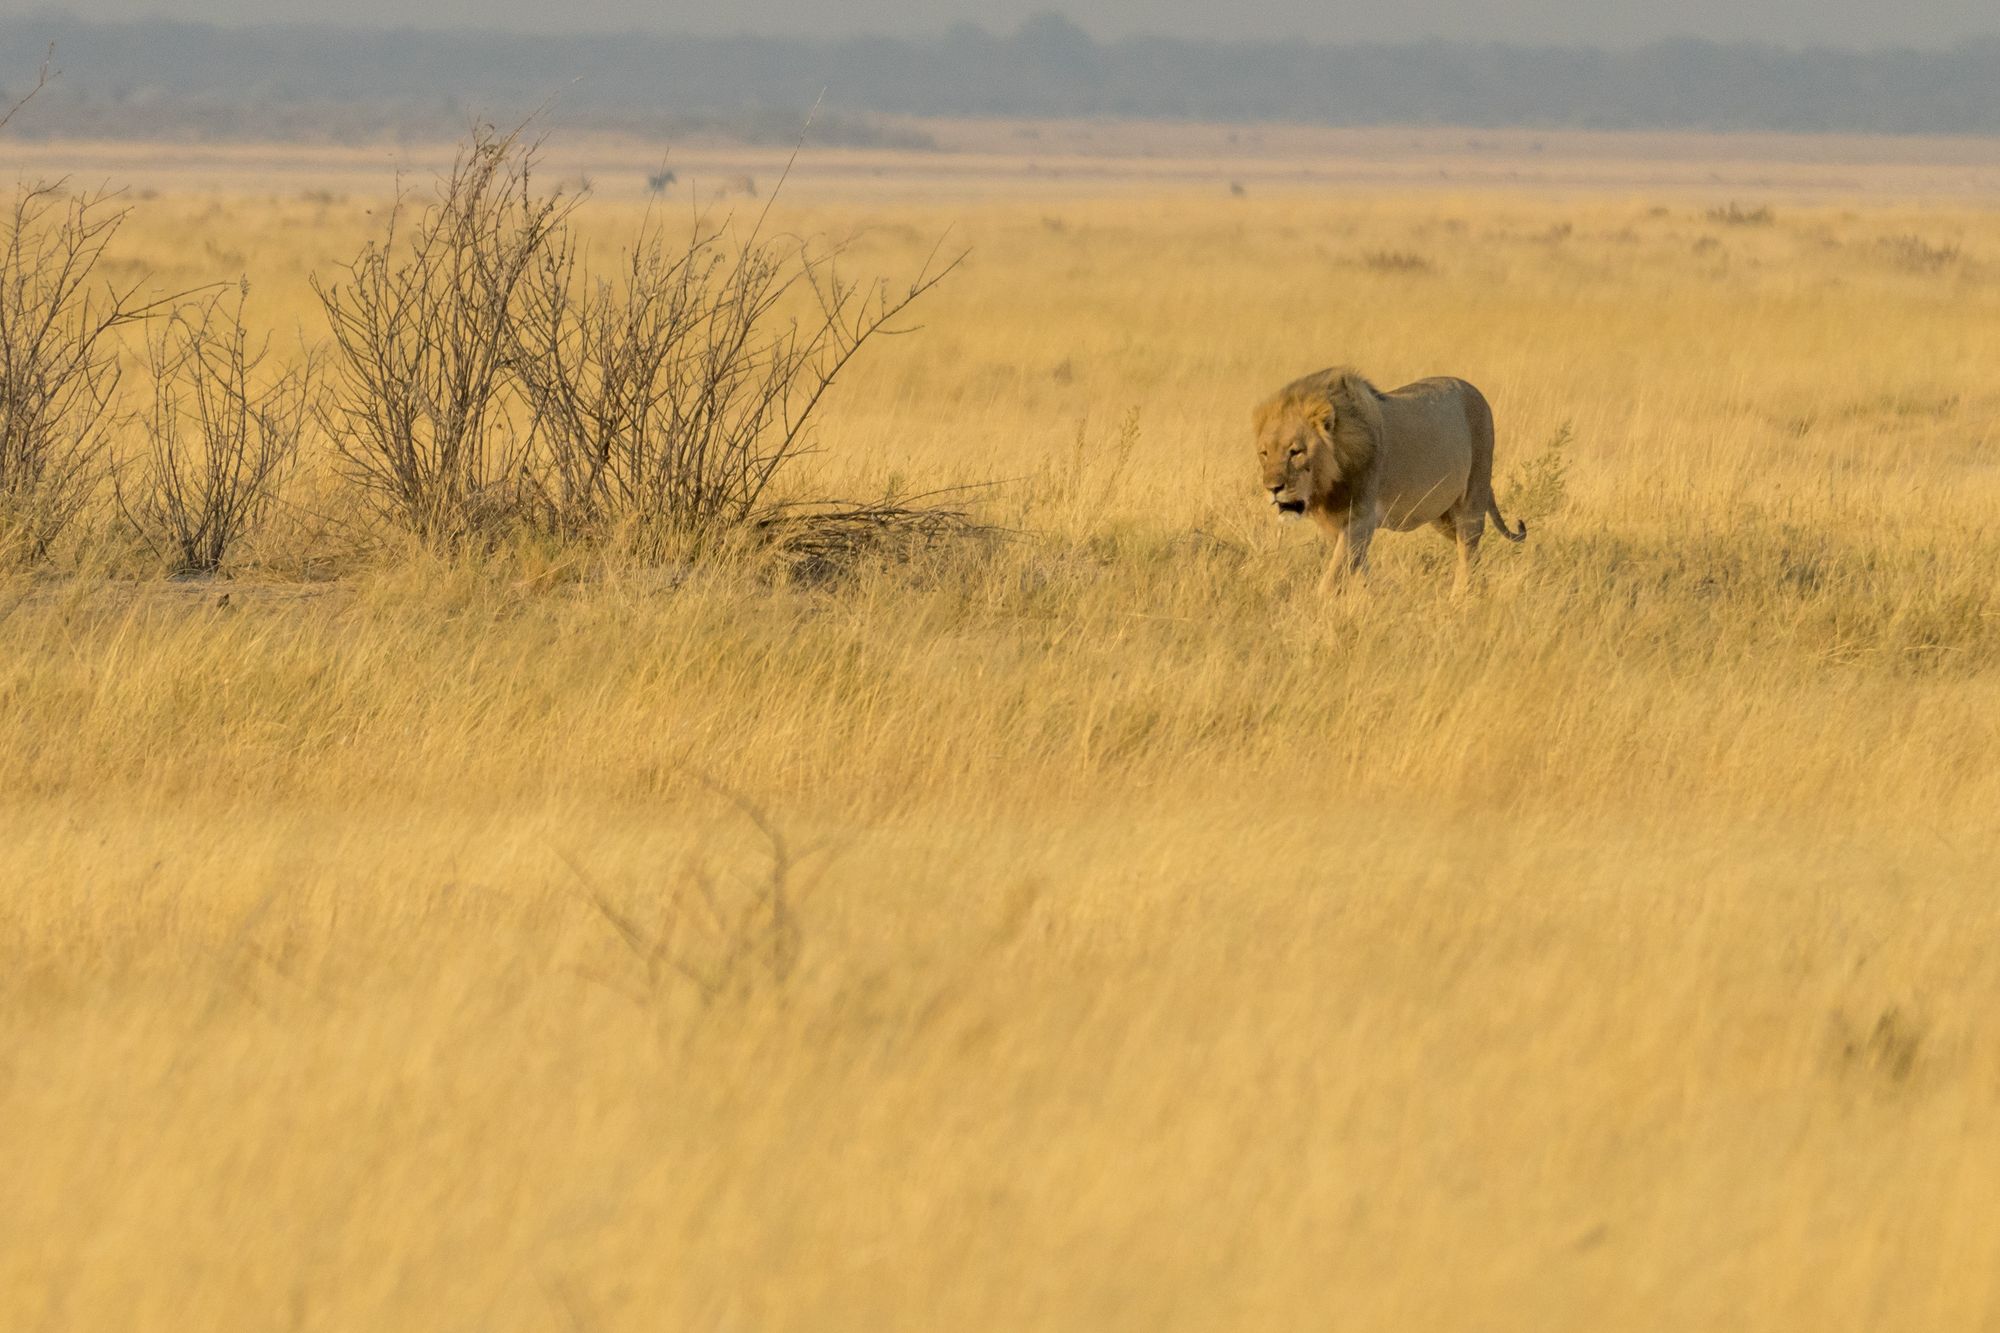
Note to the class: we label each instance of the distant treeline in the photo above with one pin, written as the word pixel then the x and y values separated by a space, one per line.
pixel 187 80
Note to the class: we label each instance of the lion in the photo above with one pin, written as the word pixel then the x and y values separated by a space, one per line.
pixel 1353 459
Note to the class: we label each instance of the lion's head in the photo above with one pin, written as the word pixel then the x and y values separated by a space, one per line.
pixel 1314 437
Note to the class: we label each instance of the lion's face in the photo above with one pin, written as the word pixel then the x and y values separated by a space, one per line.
pixel 1294 448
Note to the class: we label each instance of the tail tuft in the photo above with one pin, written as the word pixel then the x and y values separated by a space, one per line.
pixel 1517 533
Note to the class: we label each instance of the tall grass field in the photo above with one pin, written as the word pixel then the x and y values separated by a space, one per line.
pixel 1072 920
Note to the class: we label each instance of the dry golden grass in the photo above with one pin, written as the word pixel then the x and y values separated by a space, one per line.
pixel 1096 931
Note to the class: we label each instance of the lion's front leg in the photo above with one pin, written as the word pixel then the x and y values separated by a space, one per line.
pixel 1347 535
pixel 1360 533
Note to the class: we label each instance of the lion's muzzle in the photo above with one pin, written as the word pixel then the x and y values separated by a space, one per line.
pixel 1285 496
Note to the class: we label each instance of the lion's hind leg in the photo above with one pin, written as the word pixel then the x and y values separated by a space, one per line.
pixel 1463 526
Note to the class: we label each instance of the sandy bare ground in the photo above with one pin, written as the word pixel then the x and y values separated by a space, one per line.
pixel 977 159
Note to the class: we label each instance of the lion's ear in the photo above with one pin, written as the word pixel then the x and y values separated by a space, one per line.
pixel 1324 421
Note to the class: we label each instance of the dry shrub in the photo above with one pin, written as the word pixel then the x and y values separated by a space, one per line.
pixel 1918 255
pixel 1395 261
pixel 667 398
pixel 423 339
pixel 1539 486
pixel 220 432
pixel 1734 215
pixel 58 361
pixel 484 378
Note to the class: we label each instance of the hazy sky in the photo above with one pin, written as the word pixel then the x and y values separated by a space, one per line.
pixel 1860 23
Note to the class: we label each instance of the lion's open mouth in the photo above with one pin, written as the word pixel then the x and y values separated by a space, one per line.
pixel 1291 508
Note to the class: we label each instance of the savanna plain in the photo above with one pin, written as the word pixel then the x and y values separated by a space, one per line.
pixel 1082 923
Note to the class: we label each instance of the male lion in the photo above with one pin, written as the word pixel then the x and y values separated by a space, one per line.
pixel 1352 458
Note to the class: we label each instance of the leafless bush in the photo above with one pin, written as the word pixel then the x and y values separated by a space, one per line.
pixel 1917 254
pixel 417 398
pixel 219 433
pixel 1395 261
pixel 1733 214
pixel 668 397
pixel 58 361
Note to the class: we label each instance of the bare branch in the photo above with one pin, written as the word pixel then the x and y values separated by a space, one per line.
pixel 42 77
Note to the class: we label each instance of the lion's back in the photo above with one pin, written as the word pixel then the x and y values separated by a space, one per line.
pixel 1431 431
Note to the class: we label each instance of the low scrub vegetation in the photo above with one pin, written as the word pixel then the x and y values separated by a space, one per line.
pixel 478 379
pixel 221 431
pixel 1733 214
pixel 59 366
pixel 1013 898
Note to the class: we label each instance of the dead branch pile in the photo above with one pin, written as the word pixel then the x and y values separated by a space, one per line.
pixel 824 541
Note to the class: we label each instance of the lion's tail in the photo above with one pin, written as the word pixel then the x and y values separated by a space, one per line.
pixel 1517 533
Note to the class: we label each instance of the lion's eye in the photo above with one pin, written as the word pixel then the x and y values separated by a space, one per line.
pixel 1298 452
